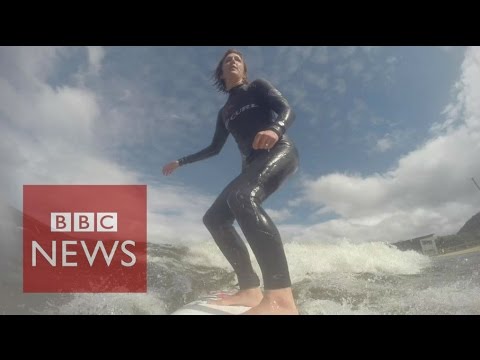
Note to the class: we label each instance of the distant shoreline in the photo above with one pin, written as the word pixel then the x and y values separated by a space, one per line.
pixel 459 252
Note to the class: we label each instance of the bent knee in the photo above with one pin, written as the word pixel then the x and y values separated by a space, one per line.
pixel 240 199
pixel 214 219
pixel 208 219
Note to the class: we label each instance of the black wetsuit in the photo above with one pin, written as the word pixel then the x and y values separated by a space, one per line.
pixel 249 109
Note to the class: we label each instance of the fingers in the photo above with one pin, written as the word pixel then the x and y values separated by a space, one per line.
pixel 255 144
pixel 266 142
pixel 263 141
pixel 168 169
pixel 260 142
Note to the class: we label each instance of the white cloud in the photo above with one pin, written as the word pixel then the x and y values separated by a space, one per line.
pixel 388 227
pixel 95 57
pixel 51 136
pixel 394 139
pixel 429 190
pixel 175 214
pixel 25 67
pixel 279 216
pixel 49 132
pixel 384 144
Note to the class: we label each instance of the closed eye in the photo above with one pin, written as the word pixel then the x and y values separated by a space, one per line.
pixel 229 59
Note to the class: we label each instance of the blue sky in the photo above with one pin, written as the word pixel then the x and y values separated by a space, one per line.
pixel 387 135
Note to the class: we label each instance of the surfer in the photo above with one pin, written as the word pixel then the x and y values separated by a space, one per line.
pixel 257 115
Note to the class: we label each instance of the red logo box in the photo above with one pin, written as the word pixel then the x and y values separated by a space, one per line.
pixel 84 238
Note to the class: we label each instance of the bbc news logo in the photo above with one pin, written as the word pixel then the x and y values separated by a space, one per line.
pixel 83 222
pixel 84 238
pixel 61 222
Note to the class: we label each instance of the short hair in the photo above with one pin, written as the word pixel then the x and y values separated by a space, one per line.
pixel 218 82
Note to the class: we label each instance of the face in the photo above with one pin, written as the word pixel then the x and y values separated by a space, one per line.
pixel 233 66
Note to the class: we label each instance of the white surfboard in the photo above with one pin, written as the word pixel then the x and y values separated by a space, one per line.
pixel 202 307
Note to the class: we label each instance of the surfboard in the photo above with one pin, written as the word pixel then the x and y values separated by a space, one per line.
pixel 202 307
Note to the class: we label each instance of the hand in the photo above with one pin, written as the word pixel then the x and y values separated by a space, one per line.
pixel 265 140
pixel 170 167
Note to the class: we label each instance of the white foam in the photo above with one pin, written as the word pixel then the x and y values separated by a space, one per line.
pixel 306 260
pixel 378 258
pixel 114 304
pixel 459 298
pixel 327 307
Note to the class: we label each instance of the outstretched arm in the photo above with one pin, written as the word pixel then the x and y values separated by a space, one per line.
pixel 218 141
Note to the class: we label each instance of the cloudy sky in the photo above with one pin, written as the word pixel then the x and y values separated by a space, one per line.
pixel 389 137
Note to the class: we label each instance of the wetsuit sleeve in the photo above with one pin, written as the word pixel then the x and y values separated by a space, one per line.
pixel 277 102
pixel 219 139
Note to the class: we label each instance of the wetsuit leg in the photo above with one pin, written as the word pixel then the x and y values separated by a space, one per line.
pixel 219 221
pixel 260 178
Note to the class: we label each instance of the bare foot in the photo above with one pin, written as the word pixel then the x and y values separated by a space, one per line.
pixel 275 302
pixel 249 297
